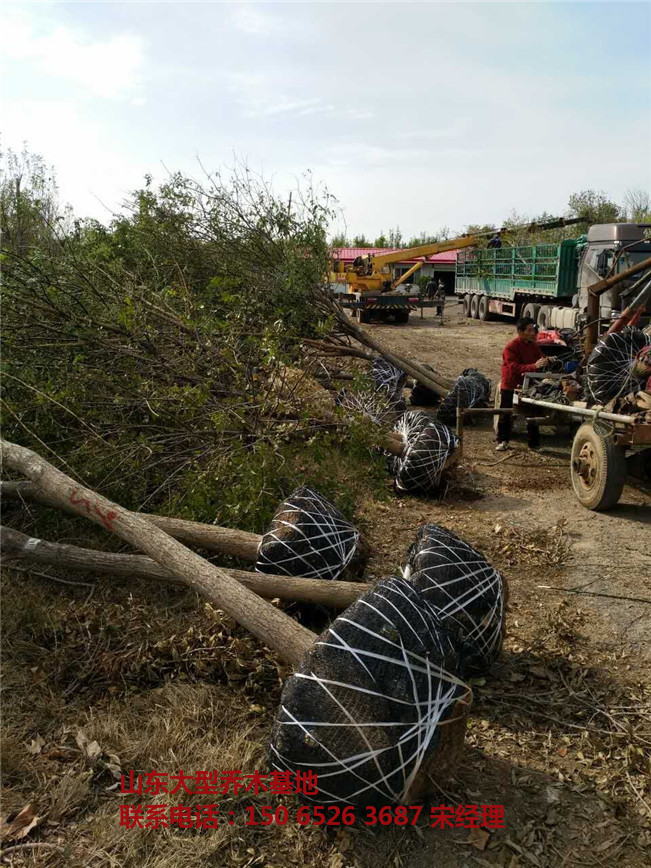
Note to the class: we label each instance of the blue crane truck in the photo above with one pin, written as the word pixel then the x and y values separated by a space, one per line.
pixel 549 282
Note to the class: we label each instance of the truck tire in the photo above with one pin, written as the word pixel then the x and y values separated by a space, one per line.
pixel 531 310
pixel 482 309
pixel 474 306
pixel 364 316
pixel 402 316
pixel 467 299
pixel 598 468
pixel 544 317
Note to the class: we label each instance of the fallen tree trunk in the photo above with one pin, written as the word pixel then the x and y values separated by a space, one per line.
pixel 15 545
pixel 270 625
pixel 238 543
pixel 435 382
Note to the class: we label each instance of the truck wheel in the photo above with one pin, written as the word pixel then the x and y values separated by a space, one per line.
pixel 544 317
pixel 598 468
pixel 402 316
pixel 482 309
pixel 365 316
pixel 531 310
pixel 467 299
pixel 474 306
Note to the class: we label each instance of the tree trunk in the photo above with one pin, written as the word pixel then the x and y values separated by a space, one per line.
pixel 429 379
pixel 19 546
pixel 269 624
pixel 238 543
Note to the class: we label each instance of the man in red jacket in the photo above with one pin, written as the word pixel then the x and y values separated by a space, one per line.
pixel 520 356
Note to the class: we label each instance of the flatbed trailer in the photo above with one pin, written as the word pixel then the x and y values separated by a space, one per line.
pixel 384 306
pixel 607 447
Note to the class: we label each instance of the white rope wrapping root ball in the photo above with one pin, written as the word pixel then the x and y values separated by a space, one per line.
pixel 466 592
pixel 375 702
pixel 610 371
pixel 308 537
pixel 471 389
pixel 388 378
pixel 372 404
pixel 428 446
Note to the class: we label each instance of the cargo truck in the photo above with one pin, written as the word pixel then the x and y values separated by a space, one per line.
pixel 549 282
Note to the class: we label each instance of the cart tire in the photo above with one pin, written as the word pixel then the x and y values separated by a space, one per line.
pixel 474 306
pixel 482 309
pixel 467 299
pixel 598 469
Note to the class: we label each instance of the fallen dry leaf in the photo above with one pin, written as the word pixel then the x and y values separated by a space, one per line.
pixel 13 829
pixel 36 745
pixel 479 838
pixel 90 748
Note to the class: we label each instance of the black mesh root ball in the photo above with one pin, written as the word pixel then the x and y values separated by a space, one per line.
pixel 429 445
pixel 308 537
pixel 421 396
pixel 611 368
pixel 471 389
pixel 388 378
pixel 466 592
pixel 376 704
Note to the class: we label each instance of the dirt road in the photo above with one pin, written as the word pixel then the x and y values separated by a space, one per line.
pixel 540 735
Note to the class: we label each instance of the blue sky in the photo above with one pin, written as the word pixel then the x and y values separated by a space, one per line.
pixel 420 115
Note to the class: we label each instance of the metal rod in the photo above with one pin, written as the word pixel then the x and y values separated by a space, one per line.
pixel 580 411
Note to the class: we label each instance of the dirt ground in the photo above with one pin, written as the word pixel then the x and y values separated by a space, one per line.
pixel 559 733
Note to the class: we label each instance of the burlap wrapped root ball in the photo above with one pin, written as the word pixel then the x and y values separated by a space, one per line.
pixel 471 389
pixel 376 706
pixel 309 537
pixel 466 592
pixel 612 370
pixel 429 448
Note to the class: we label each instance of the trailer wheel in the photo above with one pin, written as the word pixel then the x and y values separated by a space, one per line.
pixel 598 468
pixel 482 309
pixel 474 306
pixel 467 299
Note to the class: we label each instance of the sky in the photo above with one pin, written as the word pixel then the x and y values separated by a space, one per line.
pixel 417 115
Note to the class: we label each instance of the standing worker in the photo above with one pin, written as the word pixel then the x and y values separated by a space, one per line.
pixel 439 297
pixel 430 289
pixel 520 356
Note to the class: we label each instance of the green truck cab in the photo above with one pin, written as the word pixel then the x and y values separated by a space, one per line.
pixel 549 282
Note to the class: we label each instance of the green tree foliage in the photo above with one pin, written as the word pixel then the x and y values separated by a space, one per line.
pixel 381 241
pixel 150 356
pixel 594 206
pixel 339 240
pixel 361 241
pixel 637 205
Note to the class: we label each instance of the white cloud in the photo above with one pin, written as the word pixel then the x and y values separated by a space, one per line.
pixel 102 68
pixel 250 19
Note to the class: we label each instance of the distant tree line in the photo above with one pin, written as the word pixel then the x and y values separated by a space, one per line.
pixel 592 205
